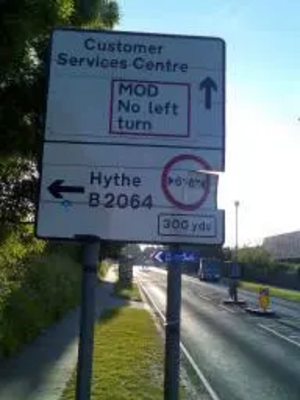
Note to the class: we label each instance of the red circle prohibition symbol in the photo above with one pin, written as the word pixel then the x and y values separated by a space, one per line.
pixel 164 181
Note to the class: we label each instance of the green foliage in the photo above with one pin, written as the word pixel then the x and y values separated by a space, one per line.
pixel 254 255
pixel 260 258
pixel 38 285
pixel 17 189
pixel 104 267
pixel 97 13
pixel 132 250
pixel 17 246
pixel 25 27
pixel 111 249
pixel 127 359
pixel 127 291
pixel 258 266
pixel 227 254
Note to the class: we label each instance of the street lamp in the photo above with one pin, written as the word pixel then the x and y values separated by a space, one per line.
pixel 236 204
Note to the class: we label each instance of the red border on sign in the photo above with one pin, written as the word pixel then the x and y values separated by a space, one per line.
pixel 147 134
pixel 184 157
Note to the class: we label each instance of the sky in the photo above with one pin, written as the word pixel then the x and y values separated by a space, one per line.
pixel 262 102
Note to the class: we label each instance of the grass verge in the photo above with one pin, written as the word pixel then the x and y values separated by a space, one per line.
pixel 128 358
pixel 286 294
pixel 127 291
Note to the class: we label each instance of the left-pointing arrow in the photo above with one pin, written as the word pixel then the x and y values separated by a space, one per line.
pixel 159 256
pixel 57 188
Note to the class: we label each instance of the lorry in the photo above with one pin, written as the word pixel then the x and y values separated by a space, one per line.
pixel 209 270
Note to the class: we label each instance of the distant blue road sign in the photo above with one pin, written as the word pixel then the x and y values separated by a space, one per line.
pixel 164 256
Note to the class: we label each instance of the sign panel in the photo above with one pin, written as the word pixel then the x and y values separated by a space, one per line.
pixel 81 173
pixel 121 87
pixel 134 130
pixel 163 256
pixel 64 221
pixel 82 183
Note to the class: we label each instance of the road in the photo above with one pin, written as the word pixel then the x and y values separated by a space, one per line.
pixel 242 357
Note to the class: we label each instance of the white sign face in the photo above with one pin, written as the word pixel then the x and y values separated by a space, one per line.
pixel 156 197
pixel 134 130
pixel 118 87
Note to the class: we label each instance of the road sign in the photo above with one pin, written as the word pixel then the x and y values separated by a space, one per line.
pixel 134 128
pixel 195 183
pixel 163 256
pixel 81 191
pixel 116 87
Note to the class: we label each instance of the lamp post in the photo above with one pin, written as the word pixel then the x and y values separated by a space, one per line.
pixel 236 204
pixel 233 285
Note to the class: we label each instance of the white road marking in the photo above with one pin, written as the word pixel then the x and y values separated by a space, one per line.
pixel 200 375
pixel 205 382
pixel 275 333
pixel 153 302
pixel 204 297
pixel 294 337
pixel 192 280
pixel 227 309
pixel 161 271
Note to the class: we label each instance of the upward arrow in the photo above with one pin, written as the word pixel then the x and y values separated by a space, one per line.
pixel 208 85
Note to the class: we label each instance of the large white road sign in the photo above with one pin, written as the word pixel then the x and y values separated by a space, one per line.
pixel 116 87
pixel 136 199
pixel 134 131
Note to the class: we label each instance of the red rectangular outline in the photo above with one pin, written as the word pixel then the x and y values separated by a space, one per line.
pixel 112 132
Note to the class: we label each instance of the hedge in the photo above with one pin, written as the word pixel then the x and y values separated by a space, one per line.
pixel 39 282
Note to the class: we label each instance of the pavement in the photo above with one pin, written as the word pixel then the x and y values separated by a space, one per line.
pixel 237 356
pixel 41 369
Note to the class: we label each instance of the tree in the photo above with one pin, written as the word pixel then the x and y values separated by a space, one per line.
pixel 132 250
pixel 17 196
pixel 25 26
pixel 111 249
pixel 254 255
pixel 227 254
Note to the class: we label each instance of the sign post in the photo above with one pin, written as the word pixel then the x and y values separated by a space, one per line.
pixel 172 330
pixel 91 248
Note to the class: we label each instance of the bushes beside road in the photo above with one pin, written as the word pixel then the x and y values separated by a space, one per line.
pixel 128 291
pixel 103 268
pixel 257 265
pixel 39 282
pixel 284 275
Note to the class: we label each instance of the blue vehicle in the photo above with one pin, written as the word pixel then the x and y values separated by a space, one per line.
pixel 209 270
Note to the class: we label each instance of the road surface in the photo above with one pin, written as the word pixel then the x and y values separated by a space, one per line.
pixel 242 357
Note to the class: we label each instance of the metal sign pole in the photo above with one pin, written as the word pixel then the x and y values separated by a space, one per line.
pixel 172 329
pixel 91 251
